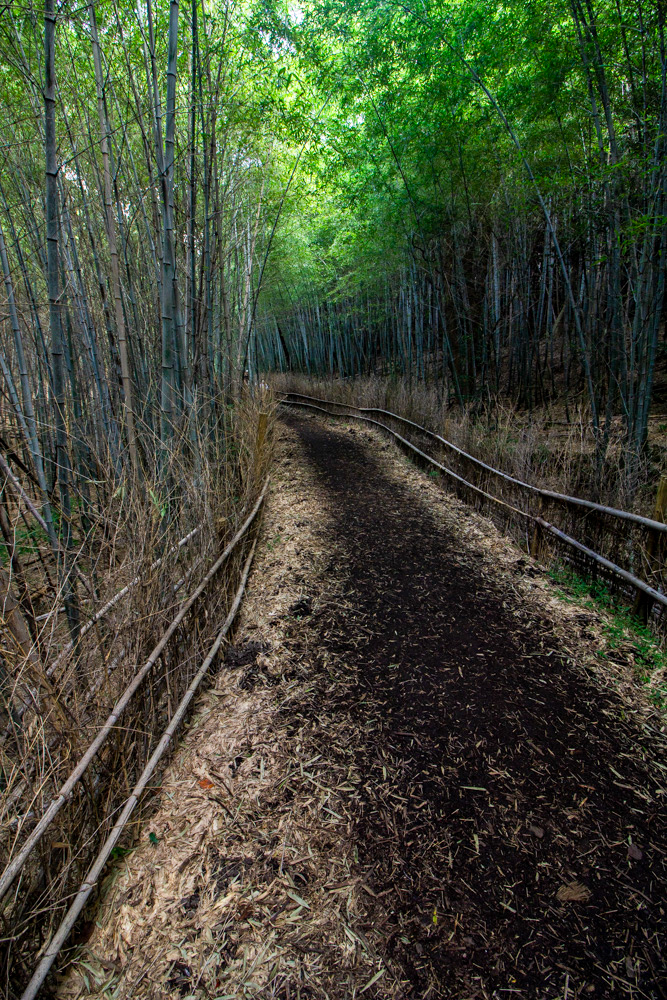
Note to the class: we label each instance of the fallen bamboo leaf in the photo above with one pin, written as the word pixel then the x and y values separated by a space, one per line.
pixel 298 899
pixel 370 982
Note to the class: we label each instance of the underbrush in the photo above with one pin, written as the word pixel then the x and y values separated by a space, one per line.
pixel 534 447
pixel 622 631
pixel 138 550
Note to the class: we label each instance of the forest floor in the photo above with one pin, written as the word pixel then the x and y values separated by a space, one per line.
pixel 414 776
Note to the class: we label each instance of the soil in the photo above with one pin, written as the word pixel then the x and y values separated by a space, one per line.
pixel 509 783
pixel 451 804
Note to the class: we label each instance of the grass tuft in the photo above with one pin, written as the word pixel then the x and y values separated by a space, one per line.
pixel 620 628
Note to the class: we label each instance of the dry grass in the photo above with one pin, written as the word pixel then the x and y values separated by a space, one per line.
pixel 49 716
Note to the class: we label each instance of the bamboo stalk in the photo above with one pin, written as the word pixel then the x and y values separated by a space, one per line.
pixel 55 317
pixel 113 242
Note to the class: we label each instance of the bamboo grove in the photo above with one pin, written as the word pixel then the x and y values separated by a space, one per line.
pixel 490 204
pixel 137 178
pixel 464 198
pixel 465 192
pixel 146 155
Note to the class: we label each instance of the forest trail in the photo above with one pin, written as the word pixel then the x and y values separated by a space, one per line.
pixel 407 783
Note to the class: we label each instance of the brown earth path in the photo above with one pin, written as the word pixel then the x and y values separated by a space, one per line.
pixel 493 777
pixel 449 803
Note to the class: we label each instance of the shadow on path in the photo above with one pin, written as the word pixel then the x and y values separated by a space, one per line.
pixel 490 774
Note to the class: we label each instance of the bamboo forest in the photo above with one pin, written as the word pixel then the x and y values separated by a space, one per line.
pixel 333 499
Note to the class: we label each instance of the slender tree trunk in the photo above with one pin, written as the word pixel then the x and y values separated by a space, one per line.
pixel 113 244
pixel 63 470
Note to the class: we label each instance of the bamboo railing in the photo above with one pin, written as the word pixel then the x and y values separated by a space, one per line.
pixel 598 520
pixel 82 775
pixel 95 871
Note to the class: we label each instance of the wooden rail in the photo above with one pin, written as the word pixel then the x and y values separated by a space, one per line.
pixel 97 867
pixel 624 515
pixel 16 864
pixel 640 585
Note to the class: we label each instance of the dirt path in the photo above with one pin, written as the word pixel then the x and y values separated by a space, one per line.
pixel 404 783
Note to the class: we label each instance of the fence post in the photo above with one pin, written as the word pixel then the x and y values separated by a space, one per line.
pixel 536 540
pixel 643 602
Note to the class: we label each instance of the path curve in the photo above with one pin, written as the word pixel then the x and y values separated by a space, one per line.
pixel 496 778
pixel 406 782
